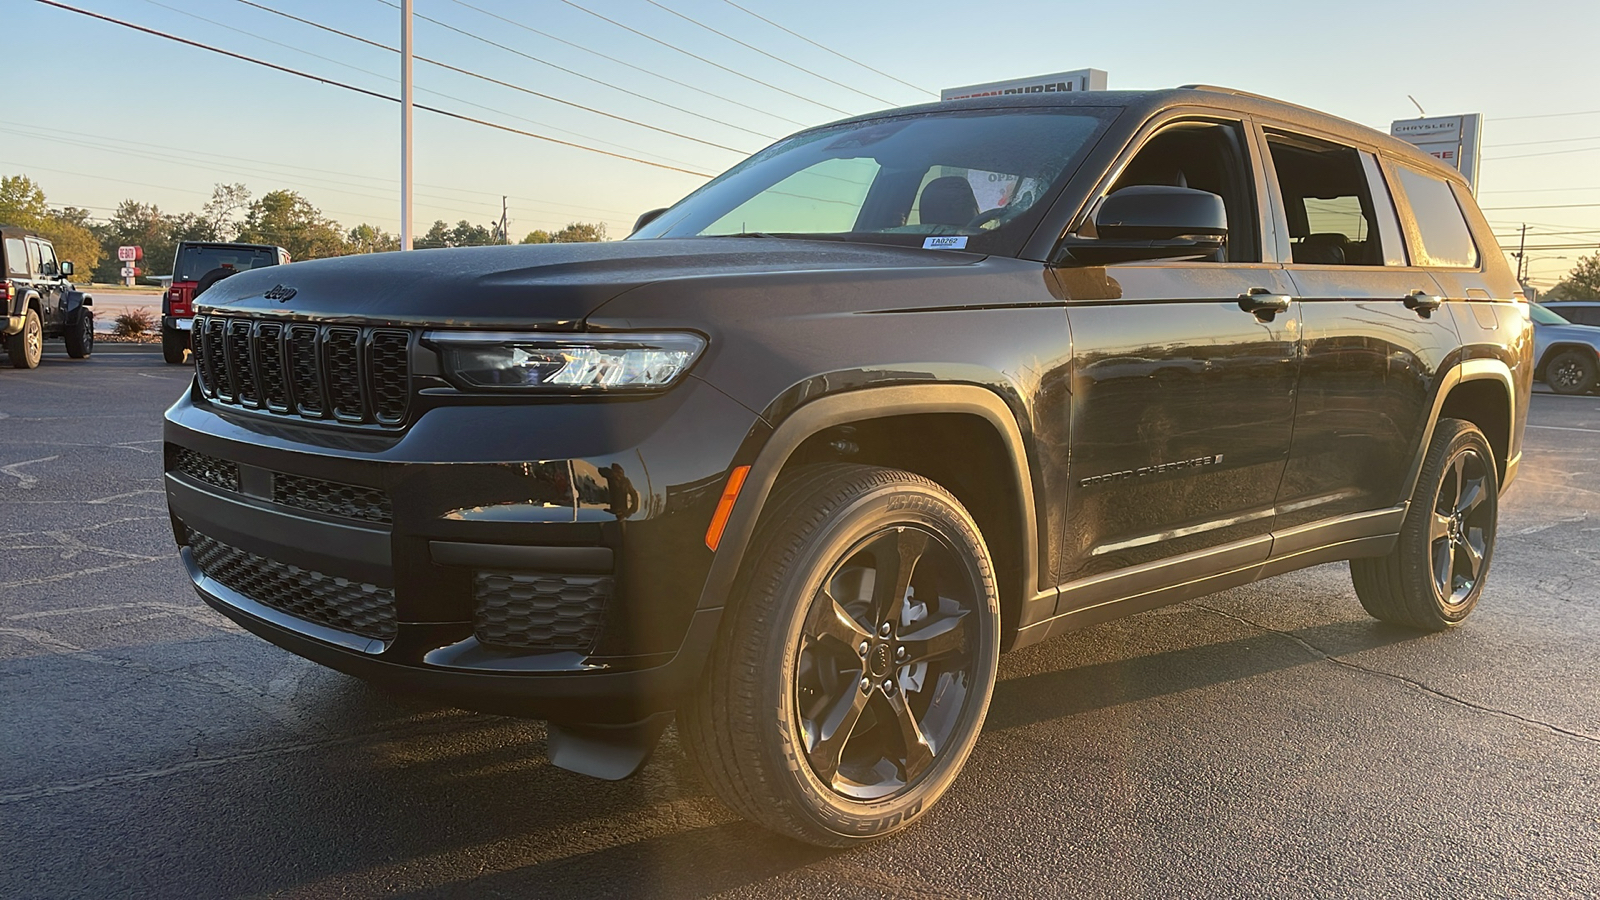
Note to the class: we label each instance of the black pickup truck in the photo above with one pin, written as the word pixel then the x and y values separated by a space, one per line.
pixel 800 457
pixel 39 300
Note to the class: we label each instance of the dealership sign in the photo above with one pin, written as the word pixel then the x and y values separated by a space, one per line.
pixel 1059 83
pixel 1454 140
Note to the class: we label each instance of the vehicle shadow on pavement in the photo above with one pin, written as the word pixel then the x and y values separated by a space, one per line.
pixel 1040 696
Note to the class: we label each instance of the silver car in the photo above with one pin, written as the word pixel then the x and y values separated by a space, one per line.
pixel 1568 354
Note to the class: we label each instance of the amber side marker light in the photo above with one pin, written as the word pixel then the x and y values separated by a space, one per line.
pixel 730 493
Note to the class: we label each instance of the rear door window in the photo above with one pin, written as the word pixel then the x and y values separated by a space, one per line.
pixel 1327 200
pixel 16 257
pixel 1442 235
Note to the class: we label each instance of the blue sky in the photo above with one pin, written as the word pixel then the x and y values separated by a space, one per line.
pixel 139 117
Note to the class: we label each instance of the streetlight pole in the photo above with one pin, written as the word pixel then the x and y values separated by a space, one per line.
pixel 405 125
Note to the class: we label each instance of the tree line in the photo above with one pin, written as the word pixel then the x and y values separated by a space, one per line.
pixel 281 217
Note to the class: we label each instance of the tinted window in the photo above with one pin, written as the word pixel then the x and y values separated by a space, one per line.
pixel 47 259
pixel 1327 201
pixel 1582 315
pixel 977 177
pixel 194 261
pixel 1445 239
pixel 16 257
pixel 1543 316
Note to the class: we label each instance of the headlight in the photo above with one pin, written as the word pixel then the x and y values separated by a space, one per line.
pixel 561 363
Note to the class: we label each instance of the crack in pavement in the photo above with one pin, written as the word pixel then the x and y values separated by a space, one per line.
pixel 1319 652
pixel 25 481
pixel 71 787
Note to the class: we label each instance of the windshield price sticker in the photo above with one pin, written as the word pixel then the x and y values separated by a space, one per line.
pixel 950 242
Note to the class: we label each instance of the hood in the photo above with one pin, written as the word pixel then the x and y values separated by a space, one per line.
pixel 550 286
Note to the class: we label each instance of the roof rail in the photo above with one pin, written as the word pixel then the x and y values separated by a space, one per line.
pixel 1217 89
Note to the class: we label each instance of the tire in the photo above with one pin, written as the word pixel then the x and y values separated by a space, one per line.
pixel 26 347
pixel 1571 372
pixel 173 345
pixel 80 337
pixel 209 279
pixel 1435 575
pixel 788 662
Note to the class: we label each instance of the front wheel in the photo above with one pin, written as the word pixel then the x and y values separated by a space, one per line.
pixel 848 687
pixel 1571 372
pixel 26 347
pixel 1435 575
pixel 80 337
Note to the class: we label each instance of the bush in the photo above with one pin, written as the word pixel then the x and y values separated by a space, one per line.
pixel 134 323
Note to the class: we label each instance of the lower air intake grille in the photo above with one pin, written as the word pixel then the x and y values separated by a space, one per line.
pixel 534 610
pixel 332 498
pixel 339 603
pixel 216 472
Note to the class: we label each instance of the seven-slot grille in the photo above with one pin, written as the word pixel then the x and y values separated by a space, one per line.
pixel 347 373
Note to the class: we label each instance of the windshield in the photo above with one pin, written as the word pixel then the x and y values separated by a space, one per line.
pixel 976 180
pixel 195 261
pixel 1543 316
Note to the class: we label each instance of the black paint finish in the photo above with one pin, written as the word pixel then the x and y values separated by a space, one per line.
pixel 1175 426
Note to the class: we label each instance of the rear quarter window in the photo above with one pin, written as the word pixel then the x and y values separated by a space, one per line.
pixel 16 257
pixel 1443 237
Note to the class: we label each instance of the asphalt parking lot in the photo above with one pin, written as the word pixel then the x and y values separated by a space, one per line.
pixel 1270 741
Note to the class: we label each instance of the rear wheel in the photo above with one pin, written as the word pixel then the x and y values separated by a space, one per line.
pixel 80 337
pixel 26 347
pixel 173 345
pixel 849 686
pixel 1435 575
pixel 1571 372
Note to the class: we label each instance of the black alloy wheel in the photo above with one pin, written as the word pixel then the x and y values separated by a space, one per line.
pixel 853 670
pixel 1435 575
pixel 1571 372
pixel 1461 529
pixel 80 339
pixel 883 669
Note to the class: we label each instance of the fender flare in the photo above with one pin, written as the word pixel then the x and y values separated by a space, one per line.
pixel 1494 370
pixel 76 304
pixel 854 406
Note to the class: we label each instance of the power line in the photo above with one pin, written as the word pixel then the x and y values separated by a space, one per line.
pixel 612 59
pixel 1592 137
pixel 370 93
pixel 708 62
pixel 121 142
pixel 827 49
pixel 506 84
pixel 1546 153
pixel 780 59
pixel 1549 206
pixel 1585 112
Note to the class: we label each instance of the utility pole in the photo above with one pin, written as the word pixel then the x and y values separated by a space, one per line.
pixel 1522 257
pixel 505 223
pixel 405 125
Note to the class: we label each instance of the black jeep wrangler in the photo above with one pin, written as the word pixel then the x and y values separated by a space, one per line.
pixel 39 300
pixel 798 459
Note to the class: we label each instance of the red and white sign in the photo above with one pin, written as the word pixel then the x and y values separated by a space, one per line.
pixel 130 254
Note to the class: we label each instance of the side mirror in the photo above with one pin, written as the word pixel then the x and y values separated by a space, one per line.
pixel 66 269
pixel 1152 221
pixel 647 218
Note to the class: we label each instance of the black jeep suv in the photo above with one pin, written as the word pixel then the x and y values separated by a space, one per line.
pixel 39 301
pixel 800 457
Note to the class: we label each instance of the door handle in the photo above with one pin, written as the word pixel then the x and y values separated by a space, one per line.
pixel 1422 302
pixel 1262 301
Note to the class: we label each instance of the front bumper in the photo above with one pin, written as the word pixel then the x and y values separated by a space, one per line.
pixel 397 562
